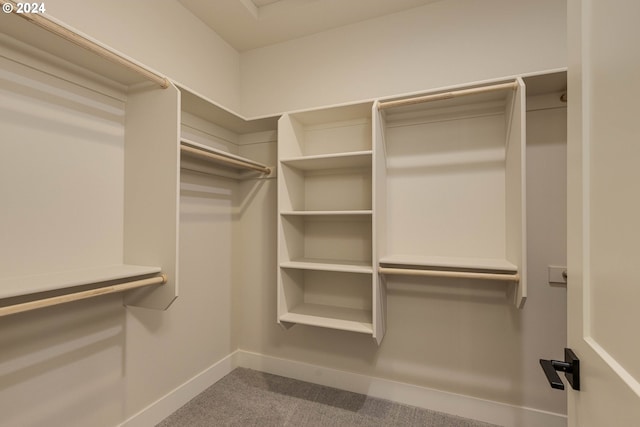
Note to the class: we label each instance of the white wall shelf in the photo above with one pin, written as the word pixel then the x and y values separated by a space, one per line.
pixel 26 285
pixel 35 41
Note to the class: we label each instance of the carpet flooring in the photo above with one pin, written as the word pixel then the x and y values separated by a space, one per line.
pixel 247 398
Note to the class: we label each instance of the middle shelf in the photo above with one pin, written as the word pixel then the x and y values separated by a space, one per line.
pixel 308 187
pixel 217 142
pixel 329 265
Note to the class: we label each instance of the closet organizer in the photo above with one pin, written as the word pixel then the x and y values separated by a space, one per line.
pixel 427 185
pixel 89 170
pixel 93 144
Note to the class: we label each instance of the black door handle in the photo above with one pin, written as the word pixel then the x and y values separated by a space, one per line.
pixel 570 367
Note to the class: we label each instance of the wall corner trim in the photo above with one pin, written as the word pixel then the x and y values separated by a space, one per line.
pixel 435 400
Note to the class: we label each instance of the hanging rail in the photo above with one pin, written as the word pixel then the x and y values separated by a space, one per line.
pixel 79 40
pixel 47 302
pixel 446 95
pixel 452 274
pixel 202 152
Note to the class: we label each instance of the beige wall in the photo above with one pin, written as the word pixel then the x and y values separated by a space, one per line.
pixel 443 43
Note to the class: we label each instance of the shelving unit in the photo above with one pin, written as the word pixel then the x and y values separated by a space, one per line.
pixel 325 198
pixel 454 185
pixel 112 216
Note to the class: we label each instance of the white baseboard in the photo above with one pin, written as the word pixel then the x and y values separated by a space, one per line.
pixel 435 400
pixel 172 401
pixel 464 406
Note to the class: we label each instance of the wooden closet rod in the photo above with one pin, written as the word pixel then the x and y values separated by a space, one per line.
pixel 452 274
pixel 219 157
pixel 446 95
pixel 47 302
pixel 79 40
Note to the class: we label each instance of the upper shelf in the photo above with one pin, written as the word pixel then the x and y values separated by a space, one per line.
pixel 208 110
pixel 341 114
pixel 337 130
pixel 443 106
pixel 61 45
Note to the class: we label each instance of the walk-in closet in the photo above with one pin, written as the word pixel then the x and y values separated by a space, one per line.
pixel 358 224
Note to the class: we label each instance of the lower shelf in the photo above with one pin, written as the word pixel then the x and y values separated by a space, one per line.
pixel 455 267
pixel 458 268
pixel 346 319
pixel 25 285
pixel 489 265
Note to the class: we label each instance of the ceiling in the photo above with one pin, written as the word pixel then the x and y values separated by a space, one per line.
pixel 250 24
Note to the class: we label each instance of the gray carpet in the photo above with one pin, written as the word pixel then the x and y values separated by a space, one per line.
pixel 250 398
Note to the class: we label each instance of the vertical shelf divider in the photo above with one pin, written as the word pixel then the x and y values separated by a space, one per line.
pixel 151 217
